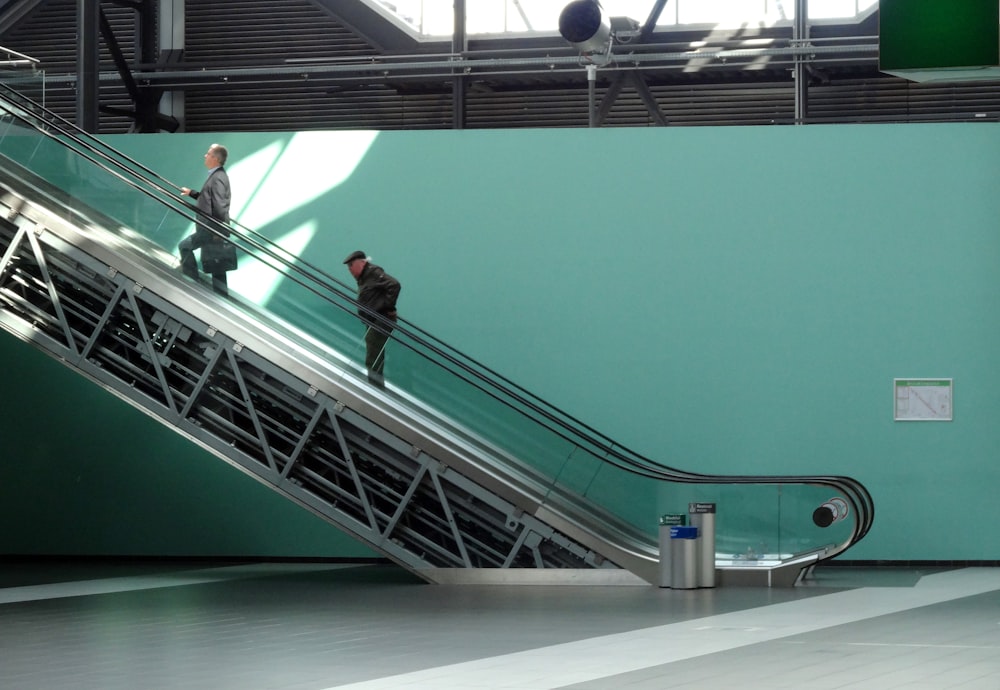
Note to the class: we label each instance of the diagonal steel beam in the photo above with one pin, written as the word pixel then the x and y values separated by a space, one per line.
pixel 642 88
pixel 638 81
pixel 610 96
pixel 318 415
pixel 202 382
pixel 102 322
pixel 654 16
pixel 352 468
pixel 450 516
pixel 251 411
pixel 154 356
pixel 404 501
pixel 53 294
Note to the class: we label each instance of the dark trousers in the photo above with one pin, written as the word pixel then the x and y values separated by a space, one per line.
pixel 189 265
pixel 375 341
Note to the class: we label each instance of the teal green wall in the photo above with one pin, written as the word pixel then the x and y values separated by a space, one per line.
pixel 84 474
pixel 723 300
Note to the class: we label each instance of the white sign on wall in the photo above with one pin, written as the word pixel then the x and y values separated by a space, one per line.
pixel 923 400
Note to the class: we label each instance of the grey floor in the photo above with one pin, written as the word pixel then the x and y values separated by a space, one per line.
pixel 319 626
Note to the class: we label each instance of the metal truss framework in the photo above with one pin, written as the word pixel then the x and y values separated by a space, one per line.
pixel 287 434
pixel 153 73
pixel 91 21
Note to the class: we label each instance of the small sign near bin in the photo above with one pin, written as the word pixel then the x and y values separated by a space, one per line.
pixel 666 523
pixel 687 552
pixel 703 517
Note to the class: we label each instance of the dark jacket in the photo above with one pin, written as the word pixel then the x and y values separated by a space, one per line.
pixel 213 200
pixel 377 292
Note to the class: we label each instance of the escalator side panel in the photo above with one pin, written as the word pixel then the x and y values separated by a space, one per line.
pixel 266 421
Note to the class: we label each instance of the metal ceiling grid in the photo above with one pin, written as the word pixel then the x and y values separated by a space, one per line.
pixel 273 37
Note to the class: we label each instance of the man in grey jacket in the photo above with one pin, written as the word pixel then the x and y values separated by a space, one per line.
pixel 377 294
pixel 213 200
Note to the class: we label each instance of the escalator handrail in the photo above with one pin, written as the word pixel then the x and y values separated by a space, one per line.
pixel 609 450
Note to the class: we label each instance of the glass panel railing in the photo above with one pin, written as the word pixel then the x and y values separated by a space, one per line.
pixel 576 467
pixel 84 177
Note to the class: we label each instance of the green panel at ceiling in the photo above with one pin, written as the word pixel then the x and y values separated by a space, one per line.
pixel 930 40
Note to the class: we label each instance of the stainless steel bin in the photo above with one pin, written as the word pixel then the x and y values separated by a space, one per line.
pixel 666 522
pixel 684 557
pixel 703 517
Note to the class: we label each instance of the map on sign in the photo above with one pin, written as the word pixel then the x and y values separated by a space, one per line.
pixel 923 399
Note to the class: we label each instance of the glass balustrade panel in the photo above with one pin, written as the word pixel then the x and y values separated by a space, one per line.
pixel 754 522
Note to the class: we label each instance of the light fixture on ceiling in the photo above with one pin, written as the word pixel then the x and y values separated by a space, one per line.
pixel 585 26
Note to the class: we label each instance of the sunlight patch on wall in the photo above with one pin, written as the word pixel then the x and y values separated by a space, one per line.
pixel 279 179
pixel 286 175
pixel 254 280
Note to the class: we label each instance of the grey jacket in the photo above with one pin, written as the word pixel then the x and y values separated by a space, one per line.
pixel 213 200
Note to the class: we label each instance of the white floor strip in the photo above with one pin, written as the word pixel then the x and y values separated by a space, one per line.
pixel 600 657
pixel 112 585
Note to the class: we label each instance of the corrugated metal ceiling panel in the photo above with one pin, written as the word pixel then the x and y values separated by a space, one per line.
pixel 226 34
pixel 49 34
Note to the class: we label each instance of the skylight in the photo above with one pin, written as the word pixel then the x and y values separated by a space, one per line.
pixel 435 18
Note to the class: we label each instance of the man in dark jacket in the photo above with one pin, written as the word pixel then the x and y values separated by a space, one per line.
pixel 213 200
pixel 377 294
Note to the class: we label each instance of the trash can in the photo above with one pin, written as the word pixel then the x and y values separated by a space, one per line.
pixel 703 517
pixel 684 557
pixel 666 522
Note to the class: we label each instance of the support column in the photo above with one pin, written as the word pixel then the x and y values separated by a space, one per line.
pixel 88 65
pixel 459 45
pixel 172 36
pixel 592 96
pixel 800 36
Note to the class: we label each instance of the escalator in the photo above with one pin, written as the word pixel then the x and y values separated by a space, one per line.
pixel 455 473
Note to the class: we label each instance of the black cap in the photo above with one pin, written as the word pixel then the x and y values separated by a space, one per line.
pixel 354 256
